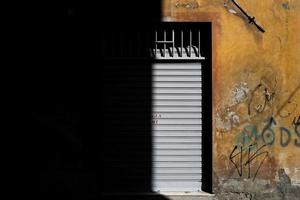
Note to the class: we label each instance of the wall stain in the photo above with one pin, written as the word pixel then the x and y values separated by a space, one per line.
pixel 286 5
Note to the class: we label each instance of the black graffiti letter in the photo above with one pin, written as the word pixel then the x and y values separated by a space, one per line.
pixel 282 131
pixel 297 142
pixel 240 172
pixel 268 134
pixel 254 156
pixel 296 122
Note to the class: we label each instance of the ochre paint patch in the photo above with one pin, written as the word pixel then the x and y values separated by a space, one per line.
pixel 255 77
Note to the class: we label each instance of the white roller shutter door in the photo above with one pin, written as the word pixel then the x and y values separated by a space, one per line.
pixel 176 127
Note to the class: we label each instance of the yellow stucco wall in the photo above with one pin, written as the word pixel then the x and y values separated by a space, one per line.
pixel 255 76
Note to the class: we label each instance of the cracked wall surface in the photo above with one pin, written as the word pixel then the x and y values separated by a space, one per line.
pixel 256 97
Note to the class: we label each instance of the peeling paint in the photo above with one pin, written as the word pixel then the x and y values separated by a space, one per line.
pixel 187 4
pixel 283 189
pixel 239 93
pixel 228 122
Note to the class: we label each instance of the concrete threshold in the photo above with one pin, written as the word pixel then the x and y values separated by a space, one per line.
pixel 162 196
pixel 186 194
pixel 161 193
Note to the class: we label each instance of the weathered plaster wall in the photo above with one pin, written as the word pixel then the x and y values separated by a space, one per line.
pixel 256 81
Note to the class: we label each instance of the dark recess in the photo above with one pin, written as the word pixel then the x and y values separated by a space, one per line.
pixel 88 111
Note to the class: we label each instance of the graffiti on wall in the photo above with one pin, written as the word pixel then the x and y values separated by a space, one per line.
pixel 264 97
pixel 245 161
pixel 268 134
pixel 247 101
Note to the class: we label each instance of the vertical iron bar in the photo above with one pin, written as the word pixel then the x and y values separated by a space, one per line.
pixel 173 41
pixel 199 44
pixel 181 50
pixel 155 43
pixel 190 44
pixel 165 40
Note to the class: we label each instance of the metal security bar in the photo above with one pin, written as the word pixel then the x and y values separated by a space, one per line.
pixel 166 49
